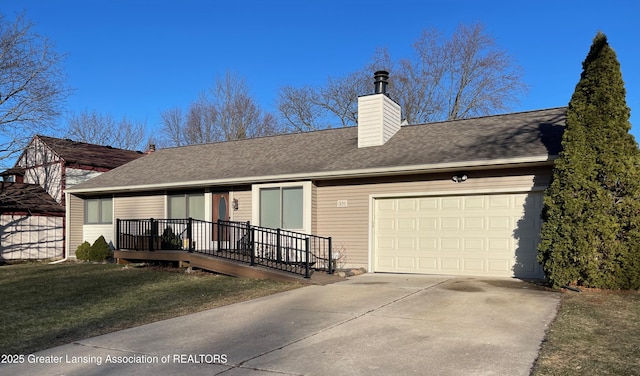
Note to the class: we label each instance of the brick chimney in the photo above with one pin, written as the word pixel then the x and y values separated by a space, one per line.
pixel 378 115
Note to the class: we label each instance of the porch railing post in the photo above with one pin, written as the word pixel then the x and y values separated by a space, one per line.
pixel 190 234
pixel 307 273
pixel 330 271
pixel 217 235
pixel 152 235
pixel 251 234
pixel 118 232
pixel 278 246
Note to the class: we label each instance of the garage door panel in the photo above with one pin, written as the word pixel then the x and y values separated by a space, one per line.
pixel 500 266
pixel 473 223
pixel 428 264
pixel 450 244
pixel 496 202
pixel 407 224
pixel 407 263
pixel 407 205
pixel 475 203
pixel 494 235
pixel 428 203
pixel 408 244
pixel 500 223
pixel 450 265
pixel 451 203
pixel 473 265
pixel 386 224
pixel 499 244
pixel 386 263
pixel 427 243
pixel 386 244
pixel 427 224
pixel 450 224
pixel 474 245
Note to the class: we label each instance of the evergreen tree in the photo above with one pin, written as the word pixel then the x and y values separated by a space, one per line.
pixel 590 233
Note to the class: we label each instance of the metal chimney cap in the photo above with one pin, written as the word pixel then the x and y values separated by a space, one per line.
pixel 381 74
pixel 380 81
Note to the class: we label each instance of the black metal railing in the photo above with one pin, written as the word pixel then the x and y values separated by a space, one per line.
pixel 278 249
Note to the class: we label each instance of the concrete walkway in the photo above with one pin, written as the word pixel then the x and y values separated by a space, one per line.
pixel 373 324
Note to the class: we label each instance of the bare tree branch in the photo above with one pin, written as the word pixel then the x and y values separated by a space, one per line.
pixel 224 112
pixel 172 122
pixel 32 84
pixel 464 76
pixel 103 129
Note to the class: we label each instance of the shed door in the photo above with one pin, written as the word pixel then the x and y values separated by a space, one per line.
pixel 490 235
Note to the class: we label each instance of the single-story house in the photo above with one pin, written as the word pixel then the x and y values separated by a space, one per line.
pixel 454 197
pixel 54 164
pixel 31 223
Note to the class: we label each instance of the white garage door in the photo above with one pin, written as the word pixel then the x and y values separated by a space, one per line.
pixel 490 235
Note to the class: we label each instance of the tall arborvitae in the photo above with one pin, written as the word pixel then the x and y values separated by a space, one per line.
pixel 591 228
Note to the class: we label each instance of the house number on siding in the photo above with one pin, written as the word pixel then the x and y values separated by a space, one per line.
pixel 342 203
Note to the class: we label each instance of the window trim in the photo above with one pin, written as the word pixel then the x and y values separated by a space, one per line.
pixel 306 202
pixel 100 201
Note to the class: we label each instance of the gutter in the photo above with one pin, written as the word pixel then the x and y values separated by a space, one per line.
pixel 344 174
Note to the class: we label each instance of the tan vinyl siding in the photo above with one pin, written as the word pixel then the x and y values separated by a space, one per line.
pixel 75 218
pixel 139 207
pixel 243 195
pixel 348 226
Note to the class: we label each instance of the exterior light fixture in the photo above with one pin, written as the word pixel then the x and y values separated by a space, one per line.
pixel 459 178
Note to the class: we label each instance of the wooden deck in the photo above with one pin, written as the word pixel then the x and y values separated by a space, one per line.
pixel 222 266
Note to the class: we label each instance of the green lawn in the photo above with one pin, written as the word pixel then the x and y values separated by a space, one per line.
pixel 49 305
pixel 595 333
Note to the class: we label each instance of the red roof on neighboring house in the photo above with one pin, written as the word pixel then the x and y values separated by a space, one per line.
pixel 82 153
pixel 13 171
pixel 29 198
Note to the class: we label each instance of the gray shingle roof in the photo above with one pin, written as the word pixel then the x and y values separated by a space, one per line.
pixel 511 136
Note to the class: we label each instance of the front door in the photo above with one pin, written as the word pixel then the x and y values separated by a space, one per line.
pixel 220 211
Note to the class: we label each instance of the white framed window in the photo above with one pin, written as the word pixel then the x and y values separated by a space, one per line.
pixel 285 205
pixel 186 205
pixel 98 211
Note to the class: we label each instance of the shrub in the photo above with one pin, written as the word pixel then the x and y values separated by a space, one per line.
pixel 100 250
pixel 82 252
pixel 170 240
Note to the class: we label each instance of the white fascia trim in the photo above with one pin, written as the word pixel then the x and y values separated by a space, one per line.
pixel 344 174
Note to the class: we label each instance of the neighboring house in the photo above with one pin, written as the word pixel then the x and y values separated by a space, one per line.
pixel 456 197
pixel 53 164
pixel 31 223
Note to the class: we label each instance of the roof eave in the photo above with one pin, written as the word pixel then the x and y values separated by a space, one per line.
pixel 327 175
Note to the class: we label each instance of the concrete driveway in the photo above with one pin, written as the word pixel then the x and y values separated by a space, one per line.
pixel 373 324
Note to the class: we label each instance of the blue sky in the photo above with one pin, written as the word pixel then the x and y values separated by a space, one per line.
pixel 137 58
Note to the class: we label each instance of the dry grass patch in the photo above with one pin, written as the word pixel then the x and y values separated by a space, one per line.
pixel 49 305
pixel 595 333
